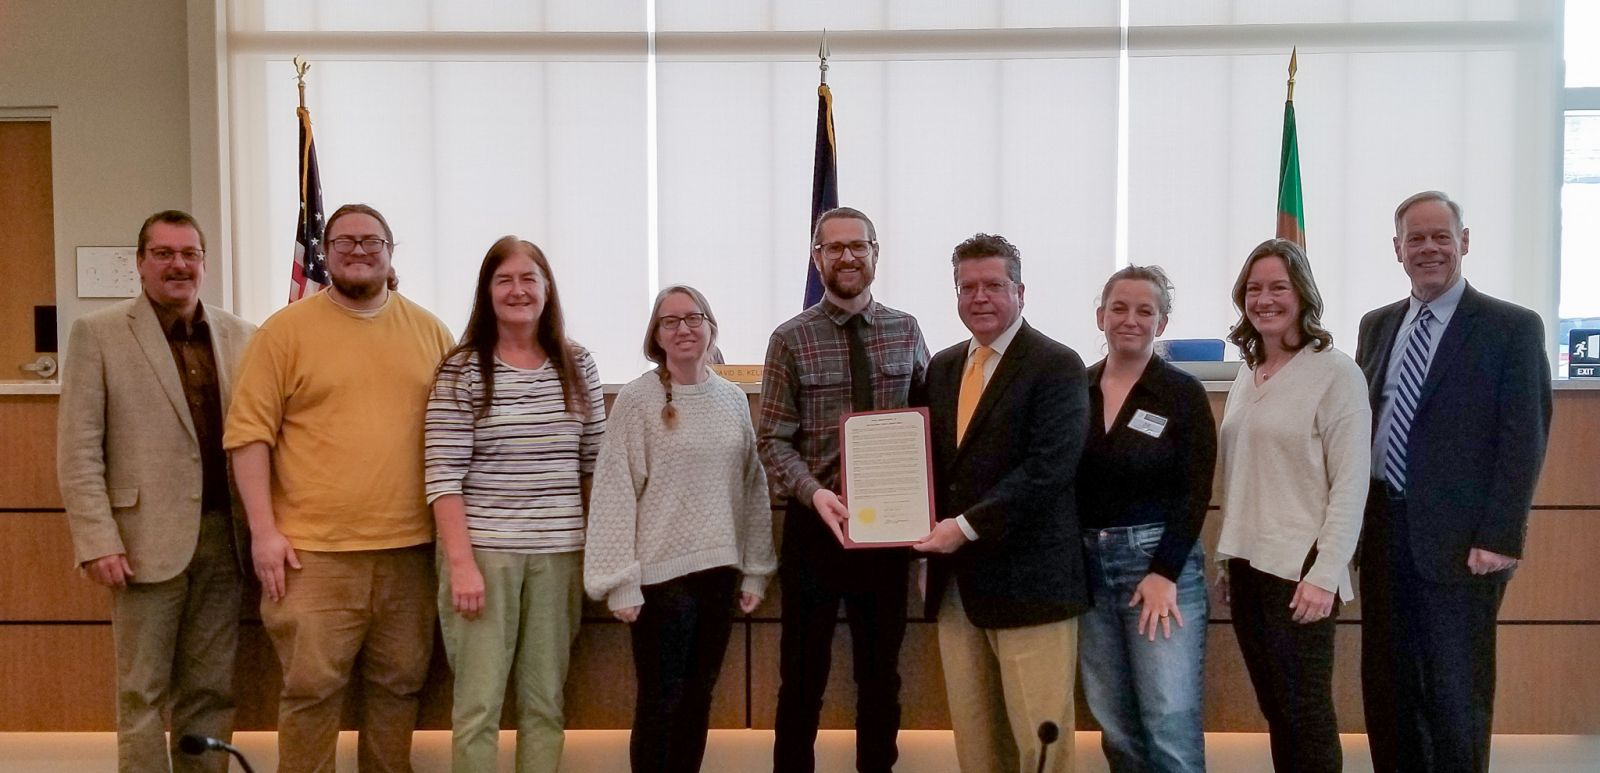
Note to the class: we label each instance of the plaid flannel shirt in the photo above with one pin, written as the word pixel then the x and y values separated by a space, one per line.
pixel 805 388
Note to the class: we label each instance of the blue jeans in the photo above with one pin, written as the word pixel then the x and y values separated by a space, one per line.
pixel 1146 695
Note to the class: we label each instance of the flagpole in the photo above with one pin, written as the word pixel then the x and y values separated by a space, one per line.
pixel 824 172
pixel 1294 65
pixel 822 57
pixel 301 66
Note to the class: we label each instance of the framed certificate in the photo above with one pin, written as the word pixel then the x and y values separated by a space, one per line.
pixel 886 473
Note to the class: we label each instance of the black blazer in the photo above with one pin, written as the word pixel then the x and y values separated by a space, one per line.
pixel 1478 439
pixel 1012 478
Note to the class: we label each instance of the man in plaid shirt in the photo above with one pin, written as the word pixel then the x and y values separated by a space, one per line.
pixel 846 353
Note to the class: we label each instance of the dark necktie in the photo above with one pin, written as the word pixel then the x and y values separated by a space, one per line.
pixel 860 366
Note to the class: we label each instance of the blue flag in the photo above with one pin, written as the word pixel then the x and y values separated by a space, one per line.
pixel 824 186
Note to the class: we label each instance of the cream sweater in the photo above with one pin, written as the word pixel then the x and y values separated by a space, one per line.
pixel 1293 466
pixel 669 502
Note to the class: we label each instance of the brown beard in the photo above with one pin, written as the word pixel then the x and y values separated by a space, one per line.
pixel 830 281
pixel 358 291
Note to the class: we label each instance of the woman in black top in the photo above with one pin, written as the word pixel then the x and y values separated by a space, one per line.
pixel 1143 487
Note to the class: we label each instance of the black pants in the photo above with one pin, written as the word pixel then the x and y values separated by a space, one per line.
pixel 1291 668
pixel 1427 654
pixel 678 644
pixel 816 574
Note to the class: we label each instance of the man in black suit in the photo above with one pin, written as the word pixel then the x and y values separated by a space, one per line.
pixel 1010 412
pixel 1460 388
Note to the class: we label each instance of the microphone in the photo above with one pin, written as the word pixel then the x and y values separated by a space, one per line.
pixel 1048 733
pixel 196 745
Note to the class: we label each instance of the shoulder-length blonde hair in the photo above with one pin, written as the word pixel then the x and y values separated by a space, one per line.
pixel 654 353
pixel 1246 337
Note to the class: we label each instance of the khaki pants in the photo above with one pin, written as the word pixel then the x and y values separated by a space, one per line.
pixel 1002 683
pixel 531 607
pixel 175 642
pixel 374 603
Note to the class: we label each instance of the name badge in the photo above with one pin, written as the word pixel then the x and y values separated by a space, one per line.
pixel 1148 423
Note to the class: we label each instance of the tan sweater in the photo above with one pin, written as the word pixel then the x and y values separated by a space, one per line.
pixel 1293 467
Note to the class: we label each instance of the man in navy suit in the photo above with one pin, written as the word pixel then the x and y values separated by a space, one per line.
pixel 1460 388
pixel 1010 413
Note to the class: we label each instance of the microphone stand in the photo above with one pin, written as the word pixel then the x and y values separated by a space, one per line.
pixel 1048 733
pixel 196 745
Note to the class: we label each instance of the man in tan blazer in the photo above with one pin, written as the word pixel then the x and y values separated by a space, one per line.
pixel 143 394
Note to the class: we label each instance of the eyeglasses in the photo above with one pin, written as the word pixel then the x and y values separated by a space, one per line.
pixel 694 321
pixel 987 288
pixel 164 255
pixel 835 250
pixel 347 244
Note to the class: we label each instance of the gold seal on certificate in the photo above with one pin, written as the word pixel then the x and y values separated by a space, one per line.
pixel 887 472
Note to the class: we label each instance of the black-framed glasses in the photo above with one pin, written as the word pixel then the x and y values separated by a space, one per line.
pixel 164 255
pixel 671 322
pixel 836 250
pixel 347 244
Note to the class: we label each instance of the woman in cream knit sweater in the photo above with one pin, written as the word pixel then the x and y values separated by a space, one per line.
pixel 1293 462
pixel 680 522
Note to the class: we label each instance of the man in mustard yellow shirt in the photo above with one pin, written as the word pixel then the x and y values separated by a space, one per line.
pixel 325 435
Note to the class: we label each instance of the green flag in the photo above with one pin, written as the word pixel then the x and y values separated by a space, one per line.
pixel 1291 200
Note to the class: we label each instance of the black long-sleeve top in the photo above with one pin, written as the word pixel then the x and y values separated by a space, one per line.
pixel 1128 478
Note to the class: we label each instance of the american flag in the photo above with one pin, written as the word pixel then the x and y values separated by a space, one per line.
pixel 310 271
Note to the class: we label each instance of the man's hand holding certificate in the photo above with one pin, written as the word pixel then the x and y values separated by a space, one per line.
pixel 887 477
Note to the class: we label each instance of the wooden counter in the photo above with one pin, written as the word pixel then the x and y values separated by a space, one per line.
pixel 57 672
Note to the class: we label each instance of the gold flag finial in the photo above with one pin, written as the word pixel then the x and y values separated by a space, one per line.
pixel 822 56
pixel 300 68
pixel 1294 64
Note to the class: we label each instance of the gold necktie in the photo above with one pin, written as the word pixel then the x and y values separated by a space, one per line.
pixel 971 390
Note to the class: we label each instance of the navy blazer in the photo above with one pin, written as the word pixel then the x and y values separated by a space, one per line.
pixel 1478 438
pixel 1012 478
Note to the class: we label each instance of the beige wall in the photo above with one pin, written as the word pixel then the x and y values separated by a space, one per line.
pixel 112 76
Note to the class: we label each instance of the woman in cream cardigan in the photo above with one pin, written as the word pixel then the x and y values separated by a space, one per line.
pixel 1294 461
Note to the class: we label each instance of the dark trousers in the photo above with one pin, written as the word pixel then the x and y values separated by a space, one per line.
pixel 816 574
pixel 1427 654
pixel 1291 668
pixel 678 644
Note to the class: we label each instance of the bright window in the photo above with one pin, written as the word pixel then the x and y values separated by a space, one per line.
pixel 464 121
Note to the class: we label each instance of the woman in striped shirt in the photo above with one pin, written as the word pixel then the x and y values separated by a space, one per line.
pixel 513 430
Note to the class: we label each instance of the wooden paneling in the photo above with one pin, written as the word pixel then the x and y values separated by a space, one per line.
pixel 59 676
pixel 1571 476
pixel 1548 679
pixel 56 678
pixel 601 686
pixel 1231 701
pixel 922 695
pixel 28 452
pixel 1568 478
pixel 37 578
pixel 771 607
pixel 27 239
pixel 1552 582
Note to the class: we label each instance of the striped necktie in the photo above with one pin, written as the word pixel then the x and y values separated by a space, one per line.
pixel 1413 369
